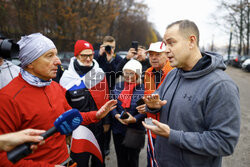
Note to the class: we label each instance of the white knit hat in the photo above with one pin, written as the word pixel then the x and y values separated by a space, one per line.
pixel 133 65
pixel 157 47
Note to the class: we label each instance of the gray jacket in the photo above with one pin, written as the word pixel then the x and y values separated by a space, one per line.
pixel 203 112
pixel 8 71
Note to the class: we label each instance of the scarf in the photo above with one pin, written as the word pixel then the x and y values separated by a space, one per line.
pixel 33 80
pixel 80 69
pixel 126 94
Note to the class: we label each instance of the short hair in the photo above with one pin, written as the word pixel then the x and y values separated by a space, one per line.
pixel 108 39
pixel 187 27
pixel 142 47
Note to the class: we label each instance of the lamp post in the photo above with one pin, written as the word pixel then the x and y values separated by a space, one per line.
pixel 230 42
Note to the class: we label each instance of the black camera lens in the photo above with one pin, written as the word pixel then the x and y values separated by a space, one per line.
pixel 108 49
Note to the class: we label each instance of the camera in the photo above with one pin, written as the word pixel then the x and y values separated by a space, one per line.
pixel 108 49
pixel 8 48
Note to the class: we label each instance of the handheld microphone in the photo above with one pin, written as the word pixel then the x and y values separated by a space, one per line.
pixel 65 124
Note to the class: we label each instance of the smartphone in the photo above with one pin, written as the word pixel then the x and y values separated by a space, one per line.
pixel 148 121
pixel 140 102
pixel 124 115
pixel 135 45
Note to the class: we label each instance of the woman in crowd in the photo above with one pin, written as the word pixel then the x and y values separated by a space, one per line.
pixel 125 126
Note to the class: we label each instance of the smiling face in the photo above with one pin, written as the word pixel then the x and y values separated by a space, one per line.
pixel 177 47
pixel 45 67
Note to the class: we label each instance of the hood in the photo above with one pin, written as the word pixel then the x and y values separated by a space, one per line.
pixel 216 63
pixel 6 64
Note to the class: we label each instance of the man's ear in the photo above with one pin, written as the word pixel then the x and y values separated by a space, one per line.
pixel 30 66
pixel 192 41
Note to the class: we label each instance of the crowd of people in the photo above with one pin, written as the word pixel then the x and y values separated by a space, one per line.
pixel 178 96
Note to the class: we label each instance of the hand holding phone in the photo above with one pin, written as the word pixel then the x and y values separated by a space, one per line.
pixel 140 102
pixel 124 115
pixel 148 121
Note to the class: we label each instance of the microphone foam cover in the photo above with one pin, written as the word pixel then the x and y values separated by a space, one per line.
pixel 68 121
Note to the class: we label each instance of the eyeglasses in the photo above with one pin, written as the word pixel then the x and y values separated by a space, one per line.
pixel 84 56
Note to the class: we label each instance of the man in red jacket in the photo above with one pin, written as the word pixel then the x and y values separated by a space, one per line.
pixel 33 100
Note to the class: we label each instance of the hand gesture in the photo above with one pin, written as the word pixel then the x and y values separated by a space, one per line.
pixel 154 101
pixel 160 128
pixel 106 108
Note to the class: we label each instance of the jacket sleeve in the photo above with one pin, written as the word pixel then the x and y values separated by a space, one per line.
pixel 140 117
pixel 89 117
pixel 10 121
pixel 222 121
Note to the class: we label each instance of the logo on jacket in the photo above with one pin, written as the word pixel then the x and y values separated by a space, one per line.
pixel 189 98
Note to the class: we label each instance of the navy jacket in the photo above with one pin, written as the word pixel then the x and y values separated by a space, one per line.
pixel 138 93
pixel 108 67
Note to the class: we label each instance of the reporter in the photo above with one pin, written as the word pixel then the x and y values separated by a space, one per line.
pixel 11 140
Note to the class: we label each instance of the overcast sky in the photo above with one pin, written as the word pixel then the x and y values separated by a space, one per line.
pixel 163 12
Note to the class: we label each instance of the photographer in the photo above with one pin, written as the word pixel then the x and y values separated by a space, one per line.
pixel 8 70
pixel 138 53
pixel 108 60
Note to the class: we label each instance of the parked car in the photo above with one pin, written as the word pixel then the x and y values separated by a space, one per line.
pixel 65 58
pixel 238 60
pixel 123 54
pixel 228 61
pixel 246 65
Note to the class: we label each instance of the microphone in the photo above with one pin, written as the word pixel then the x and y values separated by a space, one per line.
pixel 64 124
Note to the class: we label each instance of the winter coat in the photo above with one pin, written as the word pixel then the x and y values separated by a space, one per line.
pixel 138 93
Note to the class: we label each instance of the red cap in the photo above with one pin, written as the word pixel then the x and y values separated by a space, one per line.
pixel 83 45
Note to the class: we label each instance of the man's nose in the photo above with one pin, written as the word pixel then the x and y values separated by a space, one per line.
pixel 88 58
pixel 167 49
pixel 57 61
